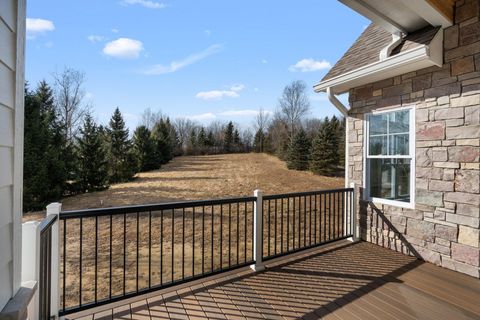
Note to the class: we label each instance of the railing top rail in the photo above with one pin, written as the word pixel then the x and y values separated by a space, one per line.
pixel 307 193
pixel 85 213
pixel 47 222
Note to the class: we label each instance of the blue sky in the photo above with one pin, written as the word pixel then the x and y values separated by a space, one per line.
pixel 206 60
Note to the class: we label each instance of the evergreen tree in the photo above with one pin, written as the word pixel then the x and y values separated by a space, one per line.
pixel 192 142
pixel 122 162
pixel 93 163
pixel 228 138
pixel 144 149
pixel 325 158
pixel 259 141
pixel 35 143
pixel 163 141
pixel 211 141
pixel 298 151
pixel 56 143
pixel 237 141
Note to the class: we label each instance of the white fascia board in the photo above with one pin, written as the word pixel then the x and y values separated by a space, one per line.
pixel 411 60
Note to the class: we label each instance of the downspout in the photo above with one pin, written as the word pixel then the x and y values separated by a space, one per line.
pixel 344 111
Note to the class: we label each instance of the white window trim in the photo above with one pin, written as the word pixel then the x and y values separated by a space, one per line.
pixel 412 142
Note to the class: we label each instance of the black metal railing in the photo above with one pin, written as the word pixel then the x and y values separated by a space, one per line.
pixel 45 280
pixel 298 221
pixel 114 253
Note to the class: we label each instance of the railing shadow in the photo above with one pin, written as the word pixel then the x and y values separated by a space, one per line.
pixel 309 287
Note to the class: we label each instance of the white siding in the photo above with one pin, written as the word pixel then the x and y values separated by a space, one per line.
pixel 12 38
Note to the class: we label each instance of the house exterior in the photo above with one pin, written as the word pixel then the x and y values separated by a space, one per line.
pixel 413 127
pixel 12 39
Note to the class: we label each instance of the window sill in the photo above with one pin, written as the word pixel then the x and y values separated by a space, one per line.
pixel 393 203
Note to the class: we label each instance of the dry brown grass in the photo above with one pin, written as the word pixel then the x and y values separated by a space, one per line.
pixel 203 177
pixel 186 178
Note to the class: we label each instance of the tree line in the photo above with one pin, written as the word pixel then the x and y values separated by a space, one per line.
pixel 304 143
pixel 66 152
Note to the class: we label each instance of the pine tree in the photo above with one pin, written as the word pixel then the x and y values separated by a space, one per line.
pixel 163 141
pixel 122 162
pixel 298 151
pixel 202 141
pixel 35 143
pixel 56 144
pixel 192 142
pixel 93 163
pixel 144 149
pixel 325 157
pixel 259 141
pixel 228 138
pixel 237 141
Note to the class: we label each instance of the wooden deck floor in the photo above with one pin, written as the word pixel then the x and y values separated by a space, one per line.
pixel 348 281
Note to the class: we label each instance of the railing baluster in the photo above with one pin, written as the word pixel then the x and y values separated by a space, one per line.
pixel 183 243
pixel 281 226
pixel 293 224
pixel 81 264
pixel 138 234
pixel 124 251
pixel 96 257
pixel 203 239
pixel 193 242
pixel 64 279
pixel 229 234
pixel 221 236
pixel 238 232
pixel 304 221
pixel 150 249
pixel 269 226
pixel 245 207
pixel 275 232
pixel 324 217
pixel 173 244
pixel 211 242
pixel 161 247
pixel 288 224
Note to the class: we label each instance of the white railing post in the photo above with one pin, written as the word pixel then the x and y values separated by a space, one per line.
pixel 353 216
pixel 55 208
pixel 31 262
pixel 257 232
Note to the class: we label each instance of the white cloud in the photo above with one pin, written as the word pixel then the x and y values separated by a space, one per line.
pixel 145 3
pixel 177 65
pixel 203 116
pixel 115 30
pixel 255 89
pixel 123 48
pixel 95 38
pixel 208 32
pixel 309 65
pixel 232 92
pixel 37 27
pixel 264 61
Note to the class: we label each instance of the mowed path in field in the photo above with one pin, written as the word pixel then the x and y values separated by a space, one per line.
pixel 203 177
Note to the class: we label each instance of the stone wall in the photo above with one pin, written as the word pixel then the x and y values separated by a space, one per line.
pixel 444 226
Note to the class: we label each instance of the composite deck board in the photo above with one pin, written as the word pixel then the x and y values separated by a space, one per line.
pixel 344 281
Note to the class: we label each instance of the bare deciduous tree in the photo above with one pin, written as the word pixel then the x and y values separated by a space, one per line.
pixel 294 104
pixel 184 127
pixel 69 96
pixel 261 120
pixel 151 118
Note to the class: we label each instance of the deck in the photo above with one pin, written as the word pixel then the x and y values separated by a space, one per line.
pixel 343 281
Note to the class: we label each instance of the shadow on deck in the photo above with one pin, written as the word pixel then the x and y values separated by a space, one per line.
pixel 344 281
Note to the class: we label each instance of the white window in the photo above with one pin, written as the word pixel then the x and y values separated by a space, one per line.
pixel 390 157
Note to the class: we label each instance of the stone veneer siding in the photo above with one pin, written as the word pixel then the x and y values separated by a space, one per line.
pixel 444 226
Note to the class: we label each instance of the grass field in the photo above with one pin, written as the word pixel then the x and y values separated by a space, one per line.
pixel 161 244
pixel 203 177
